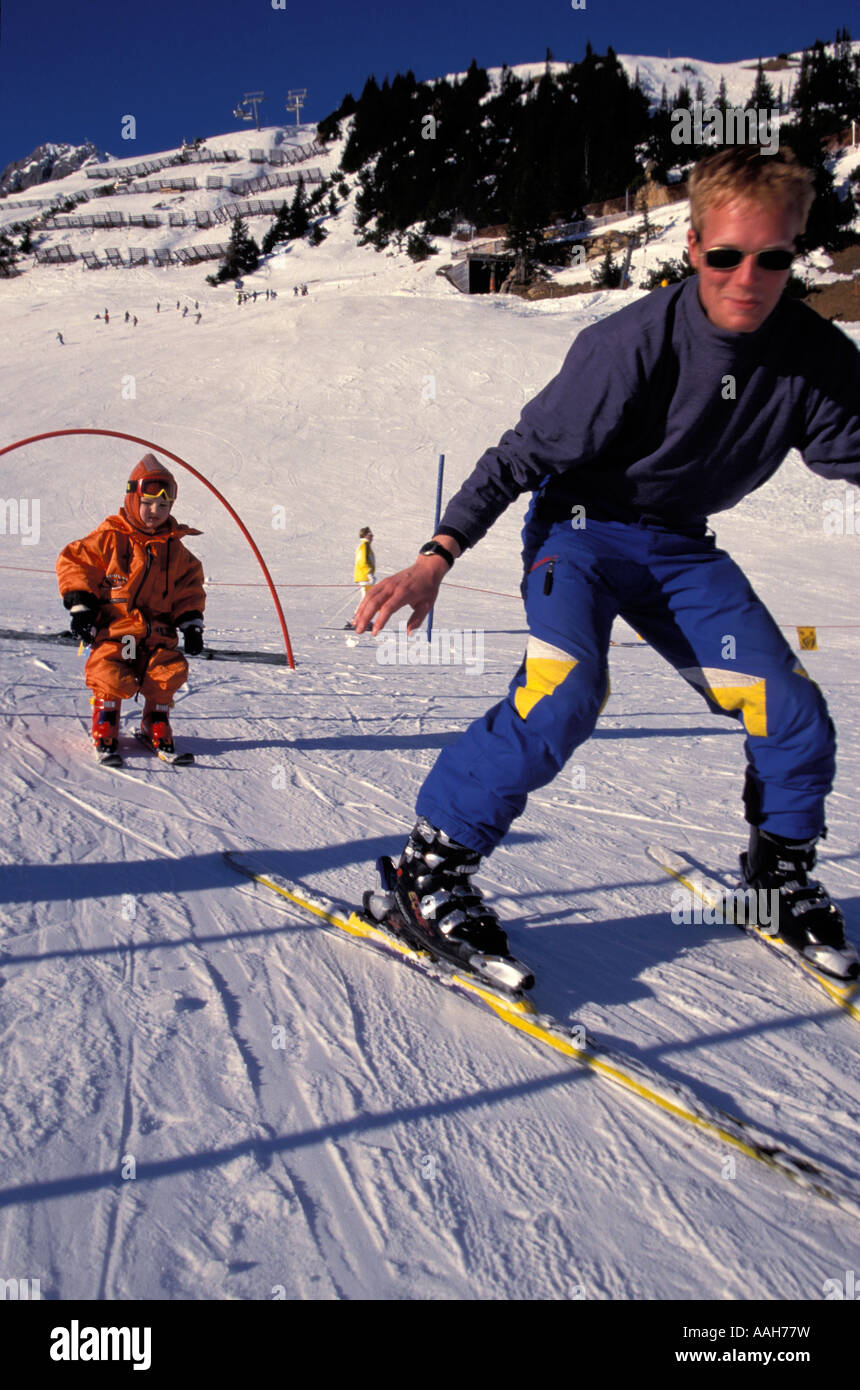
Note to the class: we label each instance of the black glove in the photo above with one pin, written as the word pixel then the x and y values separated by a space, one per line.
pixel 84 624
pixel 83 615
pixel 193 636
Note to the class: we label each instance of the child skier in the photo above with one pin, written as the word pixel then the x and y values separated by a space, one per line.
pixel 364 571
pixel 365 561
pixel 129 586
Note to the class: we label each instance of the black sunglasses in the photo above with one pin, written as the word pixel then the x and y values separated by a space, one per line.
pixel 729 258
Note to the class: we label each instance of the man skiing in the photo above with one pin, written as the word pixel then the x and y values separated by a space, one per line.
pixel 672 408
pixel 129 586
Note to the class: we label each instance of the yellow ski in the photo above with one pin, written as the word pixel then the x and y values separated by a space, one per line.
pixel 669 1097
pixel 714 893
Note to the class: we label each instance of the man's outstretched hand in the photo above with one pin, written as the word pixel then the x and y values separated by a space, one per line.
pixel 415 587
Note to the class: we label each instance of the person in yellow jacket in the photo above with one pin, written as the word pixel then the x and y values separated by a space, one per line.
pixel 365 564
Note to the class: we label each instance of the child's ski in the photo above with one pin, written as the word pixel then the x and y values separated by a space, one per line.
pixel 108 757
pixel 174 758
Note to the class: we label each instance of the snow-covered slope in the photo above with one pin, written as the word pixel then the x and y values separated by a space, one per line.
pixel 399 1144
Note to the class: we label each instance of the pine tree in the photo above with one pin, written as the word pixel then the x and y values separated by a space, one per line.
pixel 278 232
pixel 722 101
pixel 827 91
pixel 761 97
pixel 299 219
pixel 683 97
pixel 243 253
pixel 8 256
pixel 608 274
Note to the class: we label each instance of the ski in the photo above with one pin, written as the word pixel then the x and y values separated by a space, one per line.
pixel 670 1098
pixel 108 759
pixel 175 759
pixel 717 893
pixel 68 639
pixel 252 658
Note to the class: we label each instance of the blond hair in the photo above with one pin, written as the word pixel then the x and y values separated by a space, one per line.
pixel 744 171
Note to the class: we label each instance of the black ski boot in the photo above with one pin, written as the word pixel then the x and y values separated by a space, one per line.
pixel 438 907
pixel 809 920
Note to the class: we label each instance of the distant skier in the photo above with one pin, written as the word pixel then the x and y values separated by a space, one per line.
pixel 129 586
pixel 134 321
pixel 107 316
pixel 364 568
pixel 60 337
pixel 158 307
pixel 671 409
pixel 185 311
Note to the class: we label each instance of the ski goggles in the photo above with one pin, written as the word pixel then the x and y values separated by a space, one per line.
pixel 152 488
pixel 729 258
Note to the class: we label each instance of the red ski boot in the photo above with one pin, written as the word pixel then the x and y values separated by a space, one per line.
pixel 155 728
pixel 106 729
pixel 155 732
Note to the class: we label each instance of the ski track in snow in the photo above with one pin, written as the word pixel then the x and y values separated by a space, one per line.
pixel 400 1144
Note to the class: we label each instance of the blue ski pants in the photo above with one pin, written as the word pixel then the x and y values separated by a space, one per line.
pixel 692 603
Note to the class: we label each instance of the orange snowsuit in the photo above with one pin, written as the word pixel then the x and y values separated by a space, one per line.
pixel 146 584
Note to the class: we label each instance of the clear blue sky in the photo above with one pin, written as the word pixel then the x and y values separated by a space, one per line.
pixel 70 71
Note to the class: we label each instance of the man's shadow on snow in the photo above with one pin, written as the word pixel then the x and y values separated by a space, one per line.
pixel 394 742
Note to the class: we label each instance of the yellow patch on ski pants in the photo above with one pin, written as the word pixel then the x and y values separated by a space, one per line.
pixel 546 668
pixel 732 691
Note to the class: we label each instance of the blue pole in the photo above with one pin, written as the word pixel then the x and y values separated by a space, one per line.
pixel 436 528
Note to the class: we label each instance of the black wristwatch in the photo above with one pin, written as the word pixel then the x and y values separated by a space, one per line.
pixel 434 548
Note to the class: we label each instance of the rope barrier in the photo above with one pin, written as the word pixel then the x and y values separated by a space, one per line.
pixel 806 633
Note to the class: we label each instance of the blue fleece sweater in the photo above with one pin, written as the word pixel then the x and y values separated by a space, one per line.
pixel 640 424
